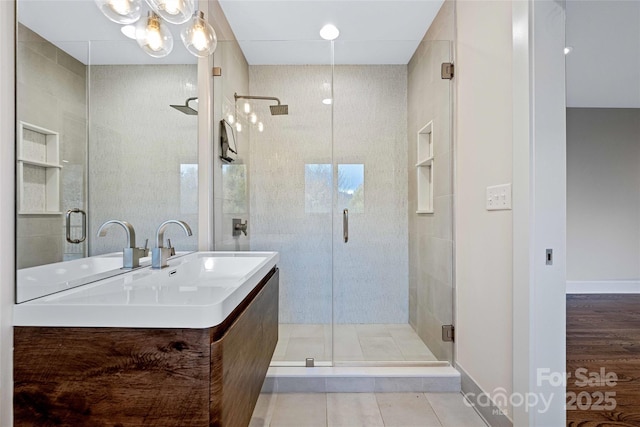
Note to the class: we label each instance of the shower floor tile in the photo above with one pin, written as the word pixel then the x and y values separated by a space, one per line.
pixel 353 342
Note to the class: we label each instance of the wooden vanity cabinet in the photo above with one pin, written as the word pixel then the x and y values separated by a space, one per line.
pixel 147 377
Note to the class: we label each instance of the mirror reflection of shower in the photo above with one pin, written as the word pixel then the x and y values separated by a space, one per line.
pixel 186 109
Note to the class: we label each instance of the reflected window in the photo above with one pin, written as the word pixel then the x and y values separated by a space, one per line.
pixel 188 188
pixel 317 188
pixel 351 187
pixel 234 189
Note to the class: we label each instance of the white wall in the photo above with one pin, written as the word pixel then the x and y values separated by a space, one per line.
pixel 539 212
pixel 603 197
pixel 7 209
pixel 484 158
pixel 603 33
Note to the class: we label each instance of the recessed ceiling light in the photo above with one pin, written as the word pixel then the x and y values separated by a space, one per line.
pixel 329 32
pixel 327 101
pixel 567 50
pixel 129 31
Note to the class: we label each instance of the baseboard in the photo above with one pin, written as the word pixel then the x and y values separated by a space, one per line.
pixel 491 414
pixel 603 287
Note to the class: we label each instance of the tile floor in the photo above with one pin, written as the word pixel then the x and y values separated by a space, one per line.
pixel 353 342
pixel 364 409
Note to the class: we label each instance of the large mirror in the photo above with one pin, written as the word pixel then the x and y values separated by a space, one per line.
pixel 97 139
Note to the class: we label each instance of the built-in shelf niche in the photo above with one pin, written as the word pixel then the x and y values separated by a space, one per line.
pixel 38 170
pixel 424 169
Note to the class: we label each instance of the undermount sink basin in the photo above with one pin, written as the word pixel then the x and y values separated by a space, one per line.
pixel 197 290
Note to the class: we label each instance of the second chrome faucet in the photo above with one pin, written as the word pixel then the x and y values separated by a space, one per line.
pixel 160 255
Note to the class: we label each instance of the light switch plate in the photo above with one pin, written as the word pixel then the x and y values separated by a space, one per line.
pixel 499 197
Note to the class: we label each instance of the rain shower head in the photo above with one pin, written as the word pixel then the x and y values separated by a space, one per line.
pixel 276 110
pixel 279 110
pixel 185 108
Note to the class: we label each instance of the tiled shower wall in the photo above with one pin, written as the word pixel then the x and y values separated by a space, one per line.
pixel 143 153
pixel 293 209
pixel 231 180
pixel 431 235
pixel 52 93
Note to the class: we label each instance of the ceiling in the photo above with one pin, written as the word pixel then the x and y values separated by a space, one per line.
pixel 603 69
pixel 371 31
pixel 270 32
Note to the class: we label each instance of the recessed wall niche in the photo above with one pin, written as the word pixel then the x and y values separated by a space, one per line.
pixel 424 169
pixel 38 170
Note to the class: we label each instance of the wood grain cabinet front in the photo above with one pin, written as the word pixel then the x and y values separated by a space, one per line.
pixel 148 377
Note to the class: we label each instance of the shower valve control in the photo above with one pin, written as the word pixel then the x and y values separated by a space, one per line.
pixel 239 227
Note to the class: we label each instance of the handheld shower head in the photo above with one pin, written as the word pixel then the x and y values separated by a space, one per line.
pixel 185 108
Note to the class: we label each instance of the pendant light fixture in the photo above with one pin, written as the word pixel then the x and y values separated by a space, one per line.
pixel 154 37
pixel 199 37
pixel 173 11
pixel 120 11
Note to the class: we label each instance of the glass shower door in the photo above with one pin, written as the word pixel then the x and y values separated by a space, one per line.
pixel 393 237
pixel 368 144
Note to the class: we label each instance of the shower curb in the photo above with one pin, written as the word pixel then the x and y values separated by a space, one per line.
pixel 440 379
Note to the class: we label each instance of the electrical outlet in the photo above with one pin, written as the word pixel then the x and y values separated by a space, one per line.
pixel 499 197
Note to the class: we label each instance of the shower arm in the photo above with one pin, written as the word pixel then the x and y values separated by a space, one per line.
pixel 193 98
pixel 263 98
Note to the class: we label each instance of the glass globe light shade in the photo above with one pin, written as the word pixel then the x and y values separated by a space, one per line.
pixel 173 11
pixel 199 37
pixel 154 37
pixel 120 11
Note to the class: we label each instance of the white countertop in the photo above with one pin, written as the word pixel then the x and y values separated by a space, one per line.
pixel 198 290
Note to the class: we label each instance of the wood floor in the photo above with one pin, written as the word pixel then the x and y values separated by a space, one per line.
pixel 603 332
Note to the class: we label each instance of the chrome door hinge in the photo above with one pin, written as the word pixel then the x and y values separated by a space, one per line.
pixel 448 333
pixel 447 70
pixel 217 71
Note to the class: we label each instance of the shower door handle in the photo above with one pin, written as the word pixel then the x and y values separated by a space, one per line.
pixel 345 225
pixel 84 225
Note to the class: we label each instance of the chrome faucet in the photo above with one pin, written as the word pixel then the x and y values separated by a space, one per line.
pixel 130 254
pixel 160 255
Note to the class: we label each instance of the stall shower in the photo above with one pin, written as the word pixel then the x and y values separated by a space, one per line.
pixel 343 161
